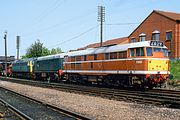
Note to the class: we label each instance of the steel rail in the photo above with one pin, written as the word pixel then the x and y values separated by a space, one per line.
pixel 65 111
pixel 23 115
pixel 159 97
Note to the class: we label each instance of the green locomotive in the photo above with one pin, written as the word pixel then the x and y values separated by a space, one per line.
pixel 49 67
pixel 23 68
pixel 42 68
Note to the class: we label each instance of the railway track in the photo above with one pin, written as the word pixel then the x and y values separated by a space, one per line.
pixel 30 109
pixel 10 112
pixel 167 98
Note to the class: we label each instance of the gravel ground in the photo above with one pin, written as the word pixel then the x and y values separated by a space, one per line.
pixel 171 87
pixel 32 109
pixel 95 107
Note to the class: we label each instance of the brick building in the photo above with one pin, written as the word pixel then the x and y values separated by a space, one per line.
pixel 111 42
pixel 160 25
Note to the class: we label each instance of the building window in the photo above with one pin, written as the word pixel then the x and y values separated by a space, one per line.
pixel 142 37
pixel 133 40
pixel 155 35
pixel 169 35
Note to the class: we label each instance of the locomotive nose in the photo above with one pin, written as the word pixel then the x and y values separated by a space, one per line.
pixel 158 65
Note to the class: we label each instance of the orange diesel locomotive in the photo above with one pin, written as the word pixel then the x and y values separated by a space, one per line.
pixel 142 64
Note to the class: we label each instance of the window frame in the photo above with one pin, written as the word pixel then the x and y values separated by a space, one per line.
pixel 113 55
pixel 107 56
pixel 85 58
pixel 156 35
pixel 141 50
pixel 168 35
pixel 165 52
pixel 133 52
pixel 142 37
pixel 78 58
pixel 148 52
pixel 133 40
pixel 95 56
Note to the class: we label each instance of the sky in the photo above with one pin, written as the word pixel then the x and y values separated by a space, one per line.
pixel 71 24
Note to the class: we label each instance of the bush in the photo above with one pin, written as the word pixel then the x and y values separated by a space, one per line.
pixel 175 69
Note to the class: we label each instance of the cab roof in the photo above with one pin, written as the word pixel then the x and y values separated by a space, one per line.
pixel 115 48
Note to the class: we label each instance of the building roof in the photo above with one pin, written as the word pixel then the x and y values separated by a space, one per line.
pixel 9 58
pixel 109 42
pixel 170 15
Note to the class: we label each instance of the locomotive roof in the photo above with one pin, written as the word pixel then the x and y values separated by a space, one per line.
pixel 24 60
pixel 115 48
pixel 61 55
pixel 144 44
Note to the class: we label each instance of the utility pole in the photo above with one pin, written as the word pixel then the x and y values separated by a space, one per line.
pixel 17 47
pixel 5 39
pixel 101 19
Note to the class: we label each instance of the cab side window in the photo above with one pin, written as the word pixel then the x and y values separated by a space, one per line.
pixel 107 56
pixel 157 49
pixel 149 51
pixel 140 51
pixel 132 52
pixel 165 51
pixel 113 55
pixel 95 56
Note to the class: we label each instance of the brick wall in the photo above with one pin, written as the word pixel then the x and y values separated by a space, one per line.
pixel 163 24
pixel 177 41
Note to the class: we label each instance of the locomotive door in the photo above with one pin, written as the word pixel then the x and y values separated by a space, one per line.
pixel 131 62
pixel 131 66
pixel 65 65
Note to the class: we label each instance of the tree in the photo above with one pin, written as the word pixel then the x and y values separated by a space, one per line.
pixel 56 51
pixel 45 51
pixel 36 50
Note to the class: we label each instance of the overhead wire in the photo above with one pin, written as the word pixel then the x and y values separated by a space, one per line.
pixel 52 7
pixel 75 37
pixel 56 25
pixel 124 23
pixel 46 12
pixel 79 35
pixel 90 29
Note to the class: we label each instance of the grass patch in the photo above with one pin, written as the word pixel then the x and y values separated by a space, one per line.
pixel 175 69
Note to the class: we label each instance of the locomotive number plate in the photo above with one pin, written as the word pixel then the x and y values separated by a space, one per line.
pixel 156 43
pixel 138 62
